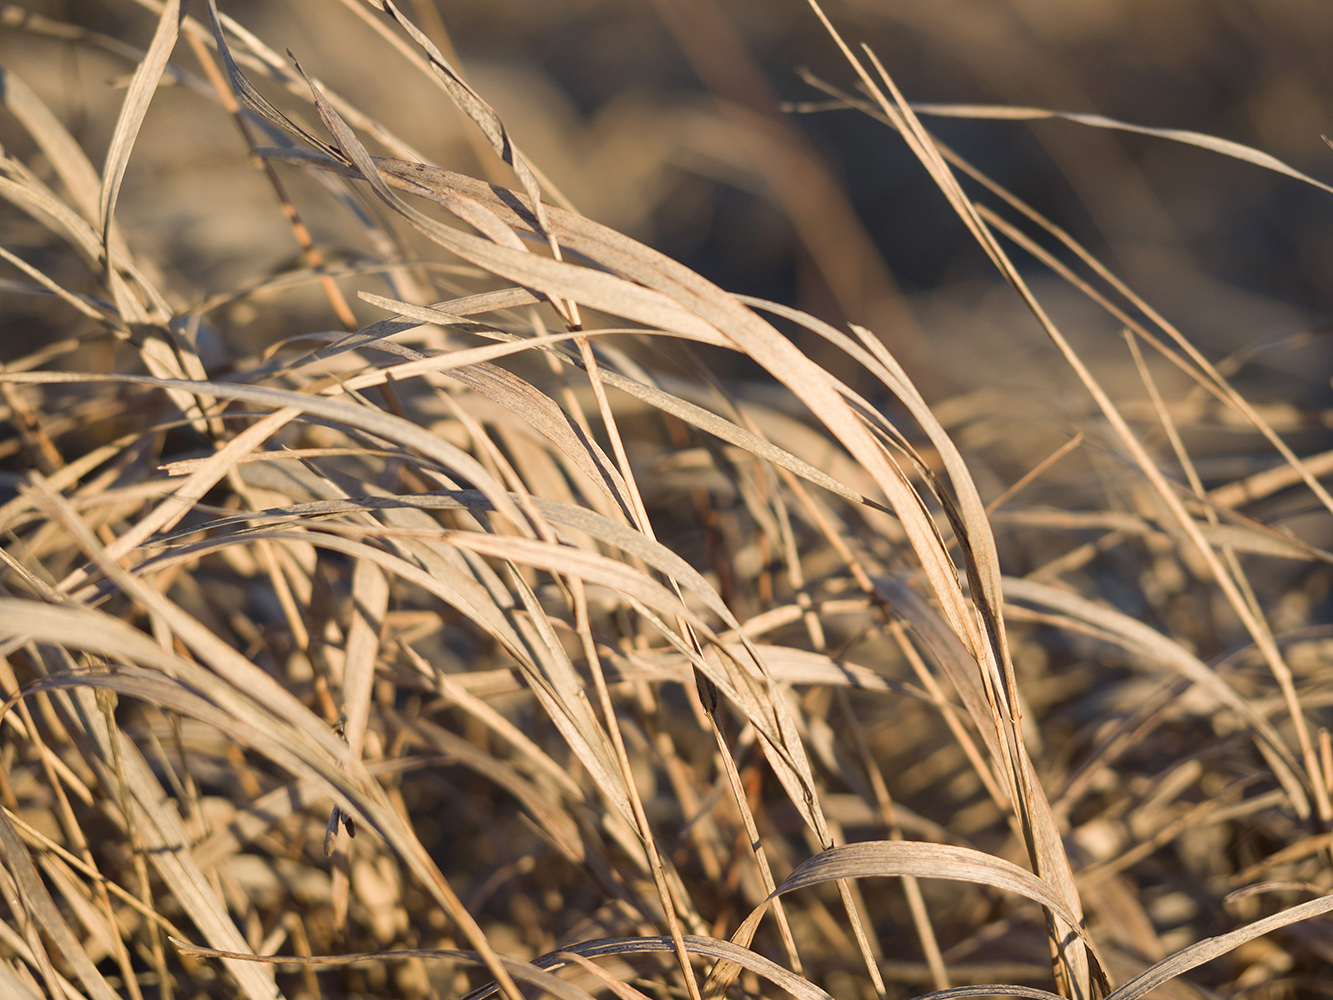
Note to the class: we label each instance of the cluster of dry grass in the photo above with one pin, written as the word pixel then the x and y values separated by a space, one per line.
pixel 451 616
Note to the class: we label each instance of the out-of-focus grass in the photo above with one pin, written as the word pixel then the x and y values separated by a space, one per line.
pixel 407 572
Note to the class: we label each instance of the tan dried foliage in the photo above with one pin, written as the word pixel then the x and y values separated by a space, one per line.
pixel 512 643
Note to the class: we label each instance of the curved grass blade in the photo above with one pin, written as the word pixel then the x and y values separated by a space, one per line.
pixel 1210 948
pixel 1212 143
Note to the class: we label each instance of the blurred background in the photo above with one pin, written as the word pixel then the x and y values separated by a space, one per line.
pixel 667 119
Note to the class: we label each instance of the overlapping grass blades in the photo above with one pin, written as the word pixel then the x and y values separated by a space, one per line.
pixel 504 624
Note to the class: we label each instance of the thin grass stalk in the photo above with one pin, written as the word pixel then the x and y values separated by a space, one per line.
pixel 1043 844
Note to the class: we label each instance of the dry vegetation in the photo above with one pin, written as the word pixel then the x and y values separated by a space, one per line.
pixel 448 589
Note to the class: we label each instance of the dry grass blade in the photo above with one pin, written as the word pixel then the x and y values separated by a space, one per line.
pixel 249 97
pixel 597 289
pixel 16 987
pixel 1205 951
pixel 142 87
pixel 363 642
pixel 990 990
pixel 82 303
pixel 707 947
pixel 922 860
pixel 66 156
pixel 899 858
pixel 1212 143
pixel 477 109
pixel 471 103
